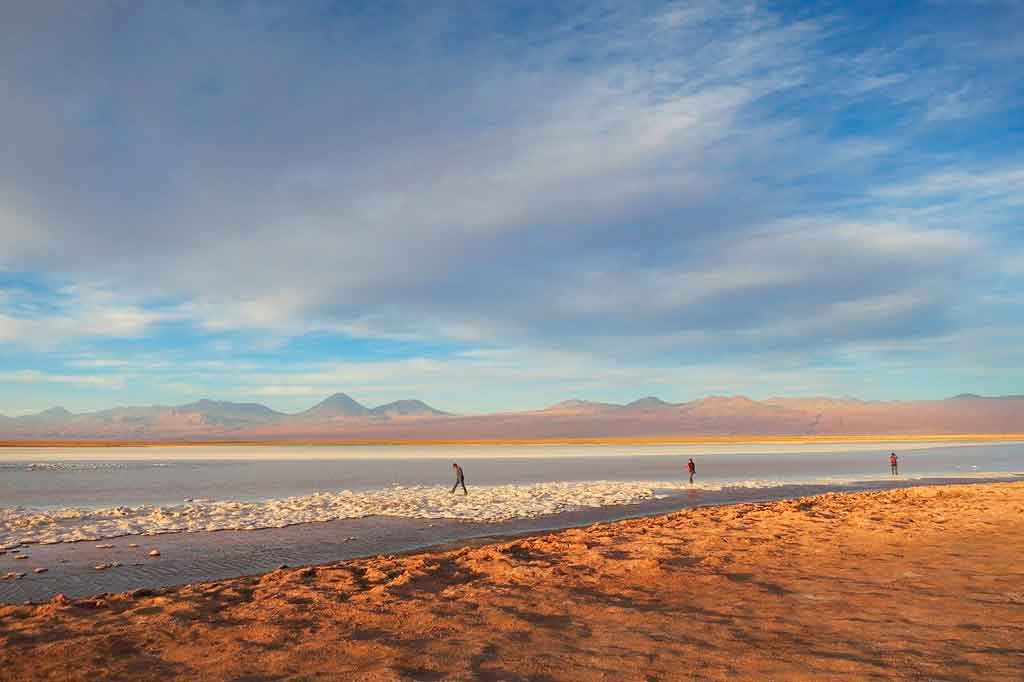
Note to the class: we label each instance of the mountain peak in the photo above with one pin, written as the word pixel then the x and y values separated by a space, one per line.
pixel 339 404
pixel 577 405
pixel 225 411
pixel 649 402
pixel 54 413
pixel 407 408
pixel 727 400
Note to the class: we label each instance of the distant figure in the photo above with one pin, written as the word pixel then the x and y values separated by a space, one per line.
pixel 692 468
pixel 460 479
pixel 894 463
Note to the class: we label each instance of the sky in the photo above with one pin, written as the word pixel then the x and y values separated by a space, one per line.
pixel 495 206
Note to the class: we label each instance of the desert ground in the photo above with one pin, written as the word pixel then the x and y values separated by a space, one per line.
pixel 915 584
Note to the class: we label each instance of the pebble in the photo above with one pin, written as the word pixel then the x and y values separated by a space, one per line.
pixel 103 567
pixel 21 556
pixel 154 552
pixel 40 570
pixel 104 546
pixel 133 544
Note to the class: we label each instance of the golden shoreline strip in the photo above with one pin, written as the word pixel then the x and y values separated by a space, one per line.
pixel 652 440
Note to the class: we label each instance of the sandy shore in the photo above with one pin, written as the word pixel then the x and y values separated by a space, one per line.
pixel 919 584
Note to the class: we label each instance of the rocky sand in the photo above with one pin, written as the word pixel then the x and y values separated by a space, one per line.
pixel 917 583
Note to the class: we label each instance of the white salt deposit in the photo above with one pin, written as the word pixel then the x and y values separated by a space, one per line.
pixel 23 525
pixel 19 525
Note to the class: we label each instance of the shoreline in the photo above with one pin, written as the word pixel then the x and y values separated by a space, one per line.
pixel 909 583
pixel 203 555
pixel 653 440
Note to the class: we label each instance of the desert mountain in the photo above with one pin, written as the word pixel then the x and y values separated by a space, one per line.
pixel 231 413
pixel 337 405
pixel 648 403
pixel 54 414
pixel 407 408
pixel 340 417
pixel 576 406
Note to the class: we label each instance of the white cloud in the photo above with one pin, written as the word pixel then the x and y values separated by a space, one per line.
pixel 1007 184
pixel 626 181
pixel 28 376
pixel 78 313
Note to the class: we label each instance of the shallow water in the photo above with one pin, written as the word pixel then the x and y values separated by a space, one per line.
pixel 394 501
pixel 106 477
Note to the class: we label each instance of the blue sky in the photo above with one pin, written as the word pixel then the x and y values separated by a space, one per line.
pixel 501 205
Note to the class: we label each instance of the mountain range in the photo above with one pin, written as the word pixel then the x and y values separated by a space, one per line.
pixel 340 418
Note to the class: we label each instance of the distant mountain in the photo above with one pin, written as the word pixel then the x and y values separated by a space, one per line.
pixel 338 405
pixel 576 406
pixel 407 408
pixel 226 412
pixel 54 414
pixel 340 417
pixel 648 403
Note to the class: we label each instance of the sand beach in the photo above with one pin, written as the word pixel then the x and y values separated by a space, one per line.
pixel 922 583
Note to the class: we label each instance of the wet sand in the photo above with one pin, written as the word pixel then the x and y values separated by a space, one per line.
pixel 917 583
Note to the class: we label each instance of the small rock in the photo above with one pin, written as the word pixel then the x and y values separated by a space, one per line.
pixel 39 570
pixel 154 552
pixel 282 567
pixel 61 599
pixel 103 567
pixel 21 556
pixel 142 592
pixel 133 544
pixel 104 546
pixel 95 603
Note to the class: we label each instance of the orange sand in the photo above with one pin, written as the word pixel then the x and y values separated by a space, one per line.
pixel 914 584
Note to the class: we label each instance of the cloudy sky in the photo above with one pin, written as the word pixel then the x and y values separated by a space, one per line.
pixel 502 205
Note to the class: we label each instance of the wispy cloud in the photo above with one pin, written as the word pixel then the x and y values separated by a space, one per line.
pixel 29 376
pixel 662 184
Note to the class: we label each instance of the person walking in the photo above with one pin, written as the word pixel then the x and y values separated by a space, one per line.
pixel 460 479
pixel 894 464
pixel 692 468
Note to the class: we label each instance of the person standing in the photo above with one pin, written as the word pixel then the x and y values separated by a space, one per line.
pixel 894 463
pixel 692 468
pixel 460 479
